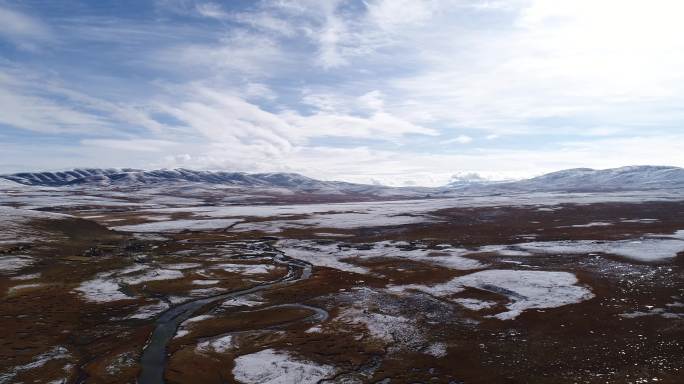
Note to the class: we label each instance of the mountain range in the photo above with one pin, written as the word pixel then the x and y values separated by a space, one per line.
pixel 571 180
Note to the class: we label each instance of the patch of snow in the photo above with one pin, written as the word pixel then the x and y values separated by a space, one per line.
pixel 436 349
pixel 503 250
pixel 201 292
pixel 525 289
pixel 56 353
pixel 245 269
pixel 321 256
pixel 153 275
pixel 180 333
pixel 639 220
pixel 593 224
pixel 334 255
pixel 16 228
pixel 242 301
pixel 101 290
pixel 31 276
pixel 195 319
pixel 651 248
pixel 277 367
pixel 181 266
pixel 149 311
pixel 21 287
pixel 14 263
pixel 106 286
pixel 662 312
pixel 328 234
pixel 219 345
pixel 392 329
pixel 120 362
pixel 178 225
pixel 474 304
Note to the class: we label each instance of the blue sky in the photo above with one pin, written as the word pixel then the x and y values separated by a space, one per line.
pixel 391 91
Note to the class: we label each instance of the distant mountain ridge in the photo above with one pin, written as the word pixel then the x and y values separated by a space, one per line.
pixel 577 179
pixel 644 177
pixel 137 176
pixel 128 177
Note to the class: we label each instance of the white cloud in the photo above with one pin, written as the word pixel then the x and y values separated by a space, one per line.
pixel 225 117
pixel 461 139
pixel 569 60
pixel 240 51
pixel 391 14
pixel 297 85
pixel 144 145
pixel 39 103
pixel 21 29
pixel 21 106
pixel 211 10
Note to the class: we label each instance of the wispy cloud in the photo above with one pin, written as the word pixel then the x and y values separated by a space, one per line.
pixel 21 29
pixel 391 90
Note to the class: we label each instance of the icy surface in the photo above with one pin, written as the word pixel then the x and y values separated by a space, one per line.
pixel 276 367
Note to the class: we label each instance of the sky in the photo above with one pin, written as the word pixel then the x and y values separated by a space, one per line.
pixel 398 92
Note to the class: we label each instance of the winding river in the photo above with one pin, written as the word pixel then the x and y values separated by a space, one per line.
pixel 154 358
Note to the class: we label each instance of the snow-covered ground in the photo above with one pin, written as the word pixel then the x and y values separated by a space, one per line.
pixel 55 353
pixel 333 255
pixel 278 367
pixel 101 290
pixel 649 248
pixel 14 263
pixel 245 269
pixel 177 225
pixel 524 289
pixel 275 218
pixel 219 344
pixel 106 287
pixel 15 227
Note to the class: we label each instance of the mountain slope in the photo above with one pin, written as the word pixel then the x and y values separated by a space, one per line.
pixel 134 176
pixel 578 179
pixel 614 179
pixel 278 182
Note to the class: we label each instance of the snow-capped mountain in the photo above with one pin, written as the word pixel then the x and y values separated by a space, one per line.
pixel 136 176
pixel 614 179
pixel 633 178
pixel 125 178
pixel 578 179
pixel 467 180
